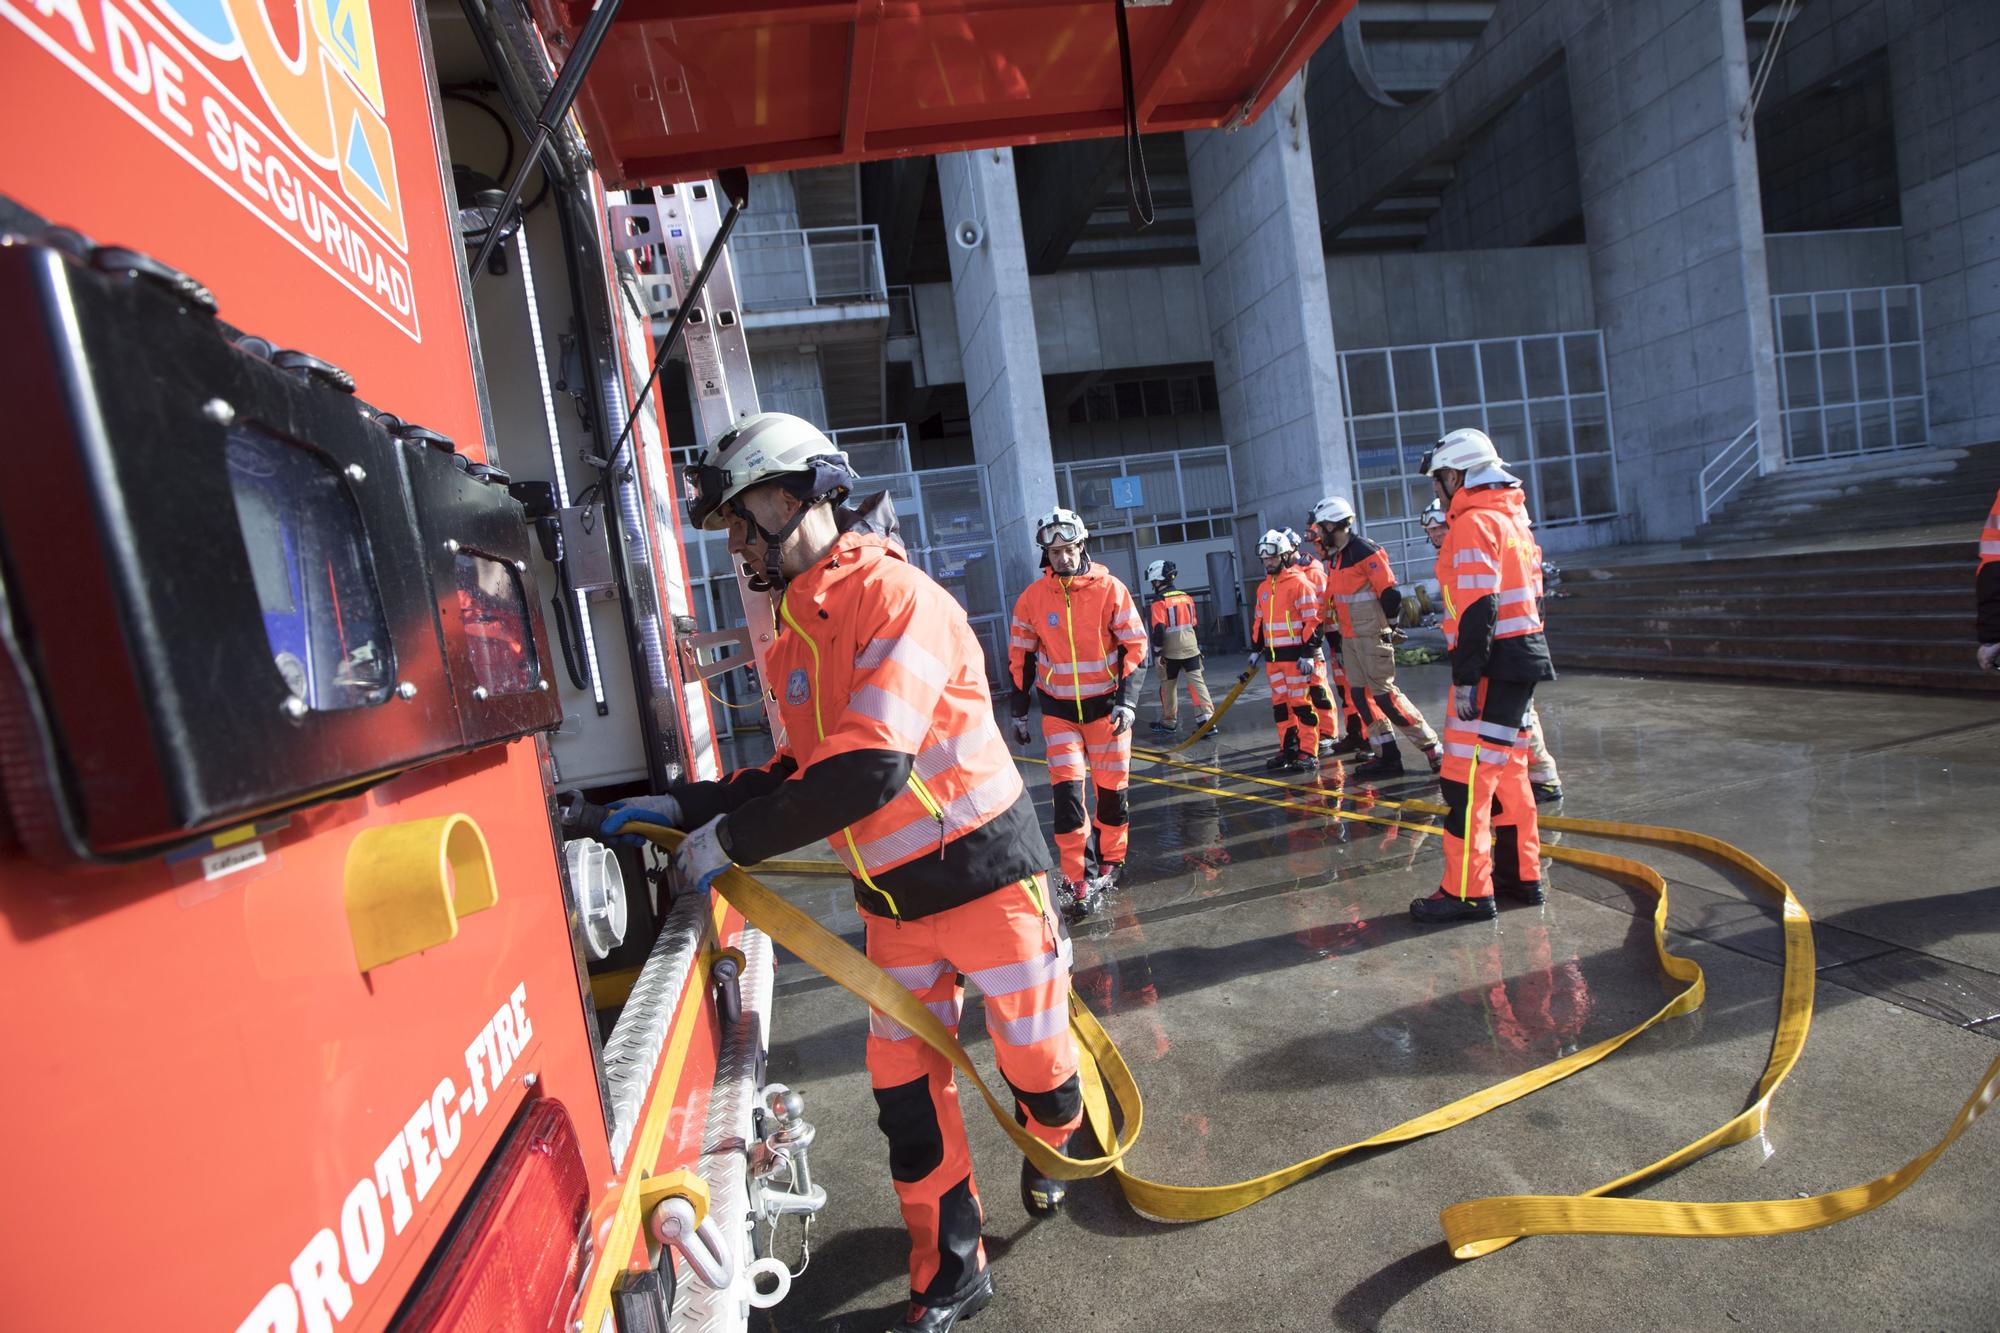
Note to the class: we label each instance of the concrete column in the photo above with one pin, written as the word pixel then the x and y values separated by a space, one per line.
pixel 996 338
pixel 1942 58
pixel 1264 285
pixel 1674 225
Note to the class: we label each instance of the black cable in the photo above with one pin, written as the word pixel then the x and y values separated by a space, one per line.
pixel 506 130
pixel 1138 186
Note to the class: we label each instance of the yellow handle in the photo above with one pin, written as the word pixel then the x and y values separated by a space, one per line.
pixel 406 885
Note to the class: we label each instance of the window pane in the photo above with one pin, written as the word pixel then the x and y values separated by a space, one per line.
pixel 1375 452
pixel 309 564
pixel 1131 399
pixel 1799 380
pixel 1802 436
pixel 1588 427
pixel 1159 496
pixel 1454 417
pixel 1420 432
pixel 1508 428
pixel 1558 492
pixel 1531 491
pixel 499 638
pixel 1458 374
pixel 1205 479
pixel 972 576
pixel 1102 402
pixel 1906 370
pixel 1381 500
pixel 1586 363
pixel 1899 304
pixel 1910 421
pixel 1159 402
pixel 1597 494
pixel 1867 307
pixel 1414 385
pixel 1875 426
pixel 1830 319
pixel 1871 373
pixel 1795 326
pixel 1093 494
pixel 1186 395
pixel 1543 358
pixel 1368 383
pixel 1841 435
pixel 954 507
pixel 1500 362
pixel 1551 429
pixel 1836 377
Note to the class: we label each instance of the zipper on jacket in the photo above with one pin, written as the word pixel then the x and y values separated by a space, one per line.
pixel 1069 629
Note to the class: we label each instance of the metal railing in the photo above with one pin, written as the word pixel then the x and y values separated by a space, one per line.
pixel 1740 460
pixel 902 312
pixel 801 268
pixel 875 451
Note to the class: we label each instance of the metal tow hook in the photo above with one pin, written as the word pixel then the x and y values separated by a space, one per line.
pixel 786 1147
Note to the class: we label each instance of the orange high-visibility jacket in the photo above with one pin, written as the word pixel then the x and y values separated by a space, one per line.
pixel 1986 584
pixel 1489 570
pixel 1356 580
pixel 875 669
pixel 1086 637
pixel 1989 537
pixel 1172 617
pixel 1287 614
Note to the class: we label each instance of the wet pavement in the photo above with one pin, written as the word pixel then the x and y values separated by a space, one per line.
pixel 1260 973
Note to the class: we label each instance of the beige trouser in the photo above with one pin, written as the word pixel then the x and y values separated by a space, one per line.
pixel 1190 669
pixel 1541 764
pixel 1370 661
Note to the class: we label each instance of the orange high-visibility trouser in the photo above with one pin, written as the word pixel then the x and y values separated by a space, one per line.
pixel 1074 748
pixel 1295 692
pixel 1489 805
pixel 1011 946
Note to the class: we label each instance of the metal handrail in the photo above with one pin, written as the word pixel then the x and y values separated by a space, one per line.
pixel 1740 460
pixel 814 283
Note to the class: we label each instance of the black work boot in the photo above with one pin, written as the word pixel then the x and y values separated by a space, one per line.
pixel 1287 757
pixel 1527 891
pixel 1079 900
pixel 921 1318
pixel 1387 763
pixel 1043 1195
pixel 1442 908
pixel 1355 741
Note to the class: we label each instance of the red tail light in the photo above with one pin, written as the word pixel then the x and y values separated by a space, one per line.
pixel 521 1248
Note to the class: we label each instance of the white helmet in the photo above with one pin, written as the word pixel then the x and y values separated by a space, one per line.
pixel 1162 571
pixel 761 448
pixel 1433 515
pixel 1470 451
pixel 1334 509
pixel 1275 543
pixel 1060 526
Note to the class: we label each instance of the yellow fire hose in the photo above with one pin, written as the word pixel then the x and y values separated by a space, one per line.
pixel 1472 1228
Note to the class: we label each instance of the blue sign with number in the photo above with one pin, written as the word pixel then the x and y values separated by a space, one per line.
pixel 1128 492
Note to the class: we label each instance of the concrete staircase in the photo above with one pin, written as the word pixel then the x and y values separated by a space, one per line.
pixel 1862 575
pixel 1906 489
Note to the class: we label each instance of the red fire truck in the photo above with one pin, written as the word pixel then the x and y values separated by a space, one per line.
pixel 336 538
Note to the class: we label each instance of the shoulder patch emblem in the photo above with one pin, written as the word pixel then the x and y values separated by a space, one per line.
pixel 1055 619
pixel 797 690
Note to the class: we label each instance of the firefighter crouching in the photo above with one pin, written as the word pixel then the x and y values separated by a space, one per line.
pixel 1487 573
pixel 892 755
pixel 1077 647
pixel 1362 599
pixel 1285 637
pixel 1170 617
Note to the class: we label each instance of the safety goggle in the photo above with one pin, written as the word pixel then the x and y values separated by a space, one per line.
pixel 1062 532
pixel 705 484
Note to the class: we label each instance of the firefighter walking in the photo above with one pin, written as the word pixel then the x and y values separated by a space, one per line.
pixel 1077 647
pixel 1285 638
pixel 1493 629
pixel 1170 624
pixel 892 755
pixel 1986 590
pixel 1363 601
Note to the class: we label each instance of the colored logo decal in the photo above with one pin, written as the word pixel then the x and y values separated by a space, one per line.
pixel 797 691
pixel 349 35
pixel 1055 620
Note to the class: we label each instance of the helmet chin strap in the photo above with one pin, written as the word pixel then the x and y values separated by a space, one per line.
pixel 771 578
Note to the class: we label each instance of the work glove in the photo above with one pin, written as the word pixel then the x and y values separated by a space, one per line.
pixel 1020 727
pixel 1989 657
pixel 1310 664
pixel 662 809
pixel 1465 702
pixel 1121 719
pixel 1256 658
pixel 700 858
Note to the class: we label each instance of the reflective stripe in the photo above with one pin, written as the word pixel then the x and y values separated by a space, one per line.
pixel 875 702
pixel 1479 752
pixel 1513 596
pixel 1516 624
pixel 1472 557
pixel 1990 546
pixel 1029 1028
pixel 906 653
pixel 1016 641
pixel 965 812
pixel 1361 598
pixel 918 976
pixel 1478 581
pixel 1011 977
pixel 888 1029
pixel 1076 691
pixel 1126 619
pixel 1496 731
pixel 1077 668
pixel 951 751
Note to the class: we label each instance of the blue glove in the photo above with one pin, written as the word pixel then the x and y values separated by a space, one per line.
pixel 640 809
pixel 700 859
